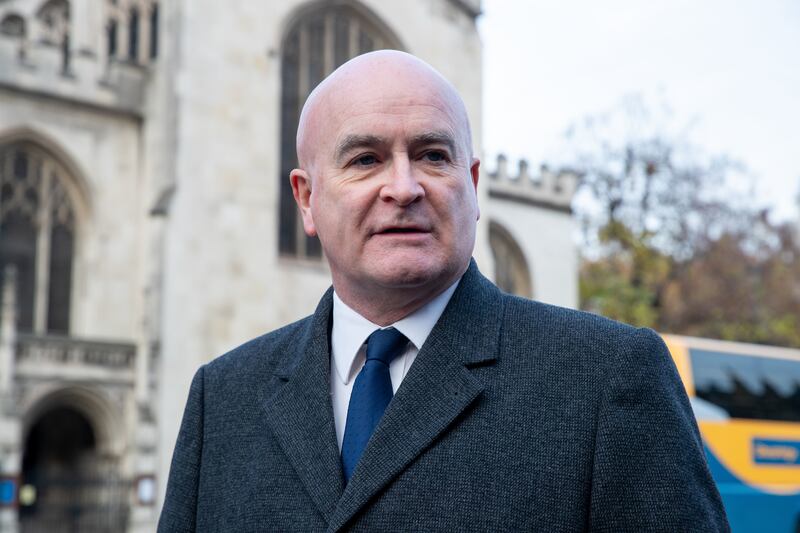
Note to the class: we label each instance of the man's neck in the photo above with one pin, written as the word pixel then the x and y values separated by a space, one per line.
pixel 383 310
pixel 386 306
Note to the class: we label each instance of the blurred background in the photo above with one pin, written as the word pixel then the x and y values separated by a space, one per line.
pixel 639 161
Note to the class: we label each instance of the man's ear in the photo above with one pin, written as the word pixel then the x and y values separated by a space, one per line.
pixel 475 172
pixel 301 188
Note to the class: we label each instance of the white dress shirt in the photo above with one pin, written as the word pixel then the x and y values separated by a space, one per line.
pixel 348 348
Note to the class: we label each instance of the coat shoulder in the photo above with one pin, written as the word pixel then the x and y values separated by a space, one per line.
pixel 262 354
pixel 521 313
pixel 569 333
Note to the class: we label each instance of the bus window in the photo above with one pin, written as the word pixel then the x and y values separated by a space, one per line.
pixel 746 386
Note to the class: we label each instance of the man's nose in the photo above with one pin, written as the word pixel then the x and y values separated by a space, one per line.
pixel 402 185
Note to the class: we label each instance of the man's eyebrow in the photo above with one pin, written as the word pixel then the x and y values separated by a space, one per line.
pixel 434 137
pixel 351 142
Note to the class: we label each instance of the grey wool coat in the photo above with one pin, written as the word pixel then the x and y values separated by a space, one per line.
pixel 515 416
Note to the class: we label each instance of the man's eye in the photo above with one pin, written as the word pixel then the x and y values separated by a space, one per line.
pixel 435 157
pixel 365 160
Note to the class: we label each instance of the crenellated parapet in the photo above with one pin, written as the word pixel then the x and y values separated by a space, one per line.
pixel 95 52
pixel 552 190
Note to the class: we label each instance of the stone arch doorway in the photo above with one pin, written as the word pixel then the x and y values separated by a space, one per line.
pixel 511 268
pixel 68 482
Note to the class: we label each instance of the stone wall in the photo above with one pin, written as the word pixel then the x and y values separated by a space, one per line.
pixel 535 210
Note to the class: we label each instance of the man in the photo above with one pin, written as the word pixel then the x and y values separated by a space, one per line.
pixel 418 397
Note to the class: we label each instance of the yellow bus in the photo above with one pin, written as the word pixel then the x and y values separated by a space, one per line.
pixel 746 399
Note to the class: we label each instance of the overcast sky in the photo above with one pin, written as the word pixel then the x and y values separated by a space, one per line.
pixel 730 67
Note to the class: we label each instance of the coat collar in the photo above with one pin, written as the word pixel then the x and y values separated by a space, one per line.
pixel 301 415
pixel 437 389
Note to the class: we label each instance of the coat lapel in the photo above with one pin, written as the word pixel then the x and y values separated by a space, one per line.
pixel 301 415
pixel 437 389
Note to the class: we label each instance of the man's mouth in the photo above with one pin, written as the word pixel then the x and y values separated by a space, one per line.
pixel 403 230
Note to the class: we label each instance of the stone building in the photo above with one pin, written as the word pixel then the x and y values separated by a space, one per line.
pixel 146 224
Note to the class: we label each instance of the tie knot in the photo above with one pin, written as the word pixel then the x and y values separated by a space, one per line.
pixel 385 344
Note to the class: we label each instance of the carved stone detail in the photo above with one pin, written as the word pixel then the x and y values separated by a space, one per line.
pixel 67 351
pixel 548 189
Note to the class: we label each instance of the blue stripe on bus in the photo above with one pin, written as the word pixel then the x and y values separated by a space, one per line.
pixel 751 510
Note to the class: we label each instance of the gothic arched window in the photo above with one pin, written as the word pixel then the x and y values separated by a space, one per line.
pixel 510 267
pixel 37 235
pixel 133 34
pixel 132 30
pixel 54 18
pixel 315 45
pixel 13 25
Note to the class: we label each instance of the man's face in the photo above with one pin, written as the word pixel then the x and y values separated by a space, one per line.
pixel 393 189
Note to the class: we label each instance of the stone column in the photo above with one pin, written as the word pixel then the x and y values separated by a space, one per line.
pixel 83 17
pixel 144 34
pixel 8 331
pixel 10 434
pixel 123 32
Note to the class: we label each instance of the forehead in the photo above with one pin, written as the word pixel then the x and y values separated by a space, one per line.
pixel 394 119
pixel 392 112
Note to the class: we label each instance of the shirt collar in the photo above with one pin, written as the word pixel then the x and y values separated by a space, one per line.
pixel 350 329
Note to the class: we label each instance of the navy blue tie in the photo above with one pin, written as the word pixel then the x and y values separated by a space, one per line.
pixel 372 392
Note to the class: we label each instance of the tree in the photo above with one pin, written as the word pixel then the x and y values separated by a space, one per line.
pixel 669 240
pixel 642 179
pixel 742 286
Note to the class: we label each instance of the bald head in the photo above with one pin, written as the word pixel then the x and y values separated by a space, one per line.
pixel 384 75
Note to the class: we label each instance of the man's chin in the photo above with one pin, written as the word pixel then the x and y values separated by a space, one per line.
pixel 399 274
